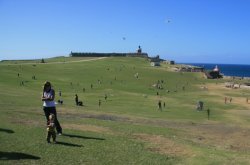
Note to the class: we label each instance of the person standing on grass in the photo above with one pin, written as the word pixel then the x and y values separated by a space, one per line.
pixel 225 100
pixel 76 99
pixel 106 97
pixel 49 106
pixel 99 103
pixel 60 93
pixel 208 113
pixel 159 105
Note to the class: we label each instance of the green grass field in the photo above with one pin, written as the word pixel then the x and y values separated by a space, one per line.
pixel 128 127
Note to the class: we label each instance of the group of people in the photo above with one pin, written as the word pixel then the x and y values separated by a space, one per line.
pixel 50 113
pixel 49 108
pixel 228 99
pixel 160 105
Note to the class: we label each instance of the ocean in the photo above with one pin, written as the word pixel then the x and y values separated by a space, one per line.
pixel 238 70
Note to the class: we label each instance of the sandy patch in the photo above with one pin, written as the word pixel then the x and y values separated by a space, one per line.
pixel 220 136
pixel 241 112
pixel 220 92
pixel 163 145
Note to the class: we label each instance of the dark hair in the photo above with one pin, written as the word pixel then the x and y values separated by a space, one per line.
pixel 47 83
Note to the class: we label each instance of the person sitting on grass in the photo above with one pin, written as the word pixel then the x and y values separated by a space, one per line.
pixel 51 129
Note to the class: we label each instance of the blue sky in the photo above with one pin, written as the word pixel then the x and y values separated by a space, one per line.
pixel 208 31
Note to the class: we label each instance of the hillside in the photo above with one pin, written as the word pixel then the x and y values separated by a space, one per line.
pixel 128 127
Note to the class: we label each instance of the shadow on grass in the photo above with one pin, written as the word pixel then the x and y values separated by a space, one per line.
pixel 82 137
pixel 16 156
pixel 69 144
pixel 6 130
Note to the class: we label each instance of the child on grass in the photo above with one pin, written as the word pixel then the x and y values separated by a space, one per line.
pixel 51 129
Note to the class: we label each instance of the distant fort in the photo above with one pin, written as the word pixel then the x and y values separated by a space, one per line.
pixel 139 53
pixel 154 61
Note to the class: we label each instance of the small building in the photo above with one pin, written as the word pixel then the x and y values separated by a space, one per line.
pixel 155 63
pixel 170 62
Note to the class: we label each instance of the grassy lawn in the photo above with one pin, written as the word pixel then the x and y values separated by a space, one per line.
pixel 128 127
pixel 60 59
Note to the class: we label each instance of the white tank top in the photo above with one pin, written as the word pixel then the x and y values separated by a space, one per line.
pixel 48 103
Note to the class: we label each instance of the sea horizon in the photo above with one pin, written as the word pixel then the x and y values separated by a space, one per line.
pixel 236 70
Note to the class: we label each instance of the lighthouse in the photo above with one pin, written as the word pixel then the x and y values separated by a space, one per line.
pixel 216 69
